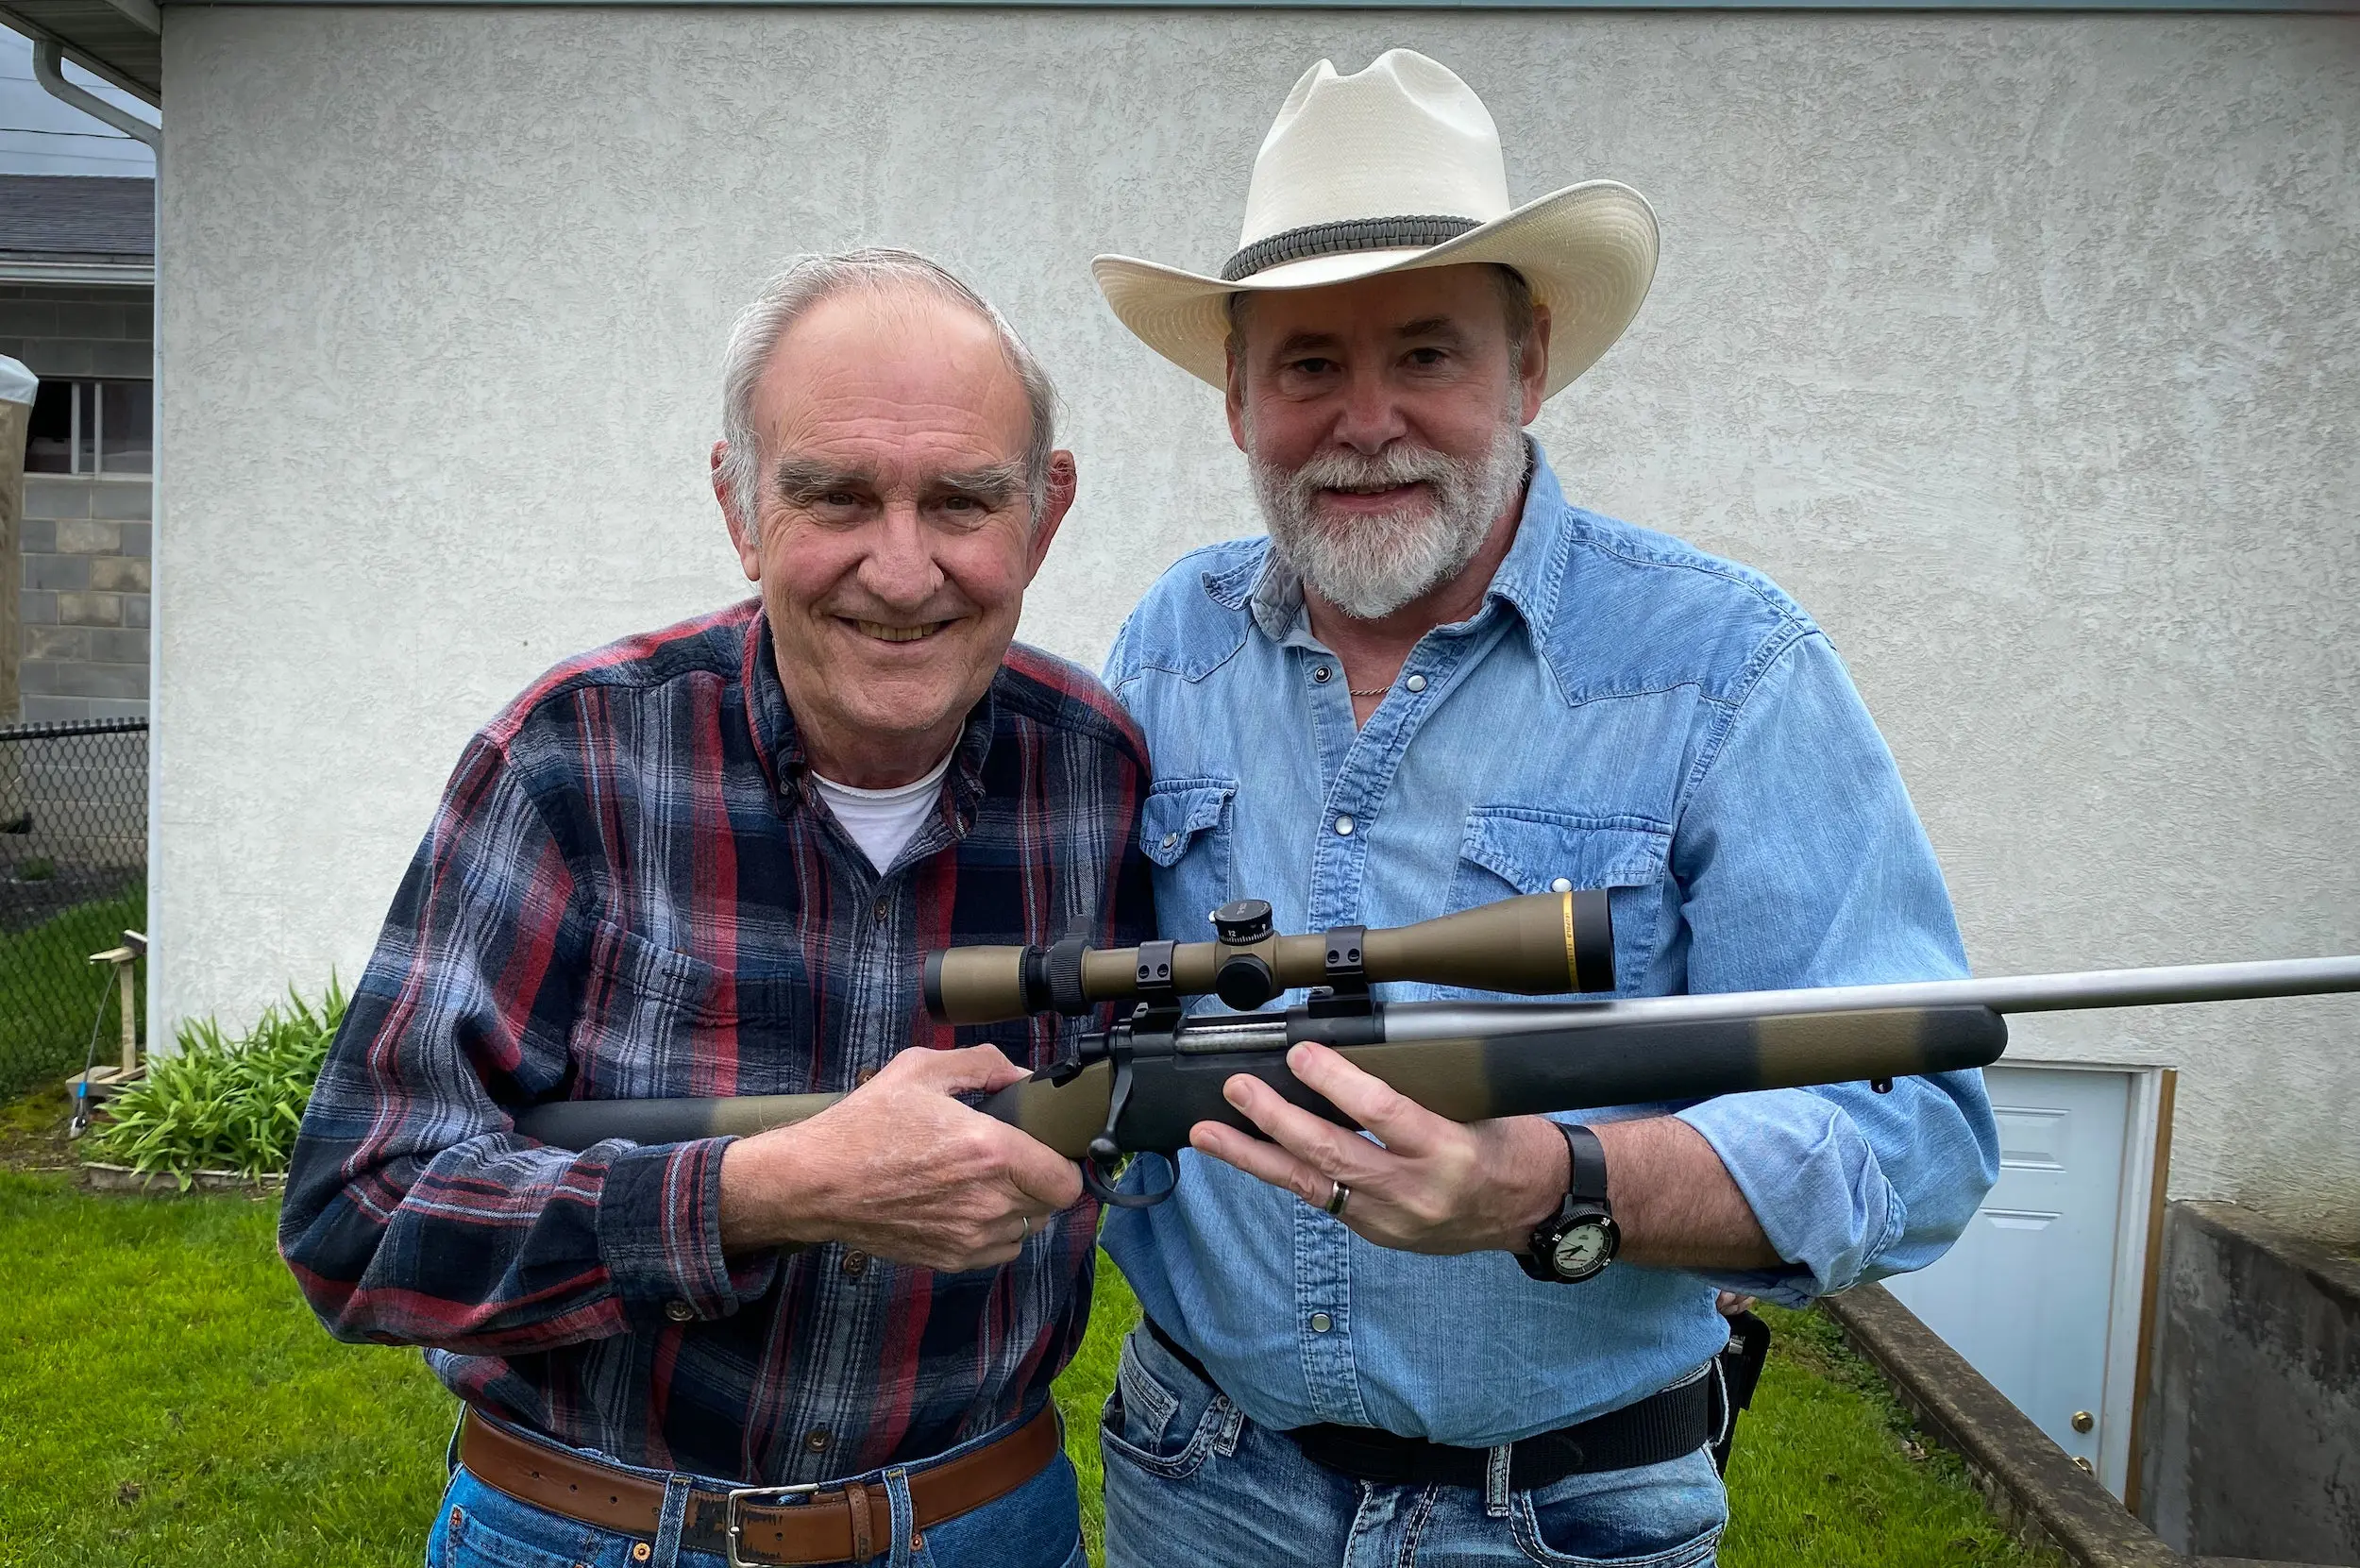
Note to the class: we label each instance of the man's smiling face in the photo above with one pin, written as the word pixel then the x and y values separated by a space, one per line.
pixel 897 534
pixel 1383 422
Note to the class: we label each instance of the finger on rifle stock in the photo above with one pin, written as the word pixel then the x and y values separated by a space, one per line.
pixel 1040 1174
pixel 1400 1123
pixel 1314 1140
pixel 972 1066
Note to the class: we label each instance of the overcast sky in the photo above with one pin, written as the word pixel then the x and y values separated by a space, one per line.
pixel 41 136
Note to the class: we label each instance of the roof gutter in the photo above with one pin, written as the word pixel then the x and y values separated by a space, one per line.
pixel 48 61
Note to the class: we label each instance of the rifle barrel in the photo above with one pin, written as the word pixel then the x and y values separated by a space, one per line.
pixel 2028 993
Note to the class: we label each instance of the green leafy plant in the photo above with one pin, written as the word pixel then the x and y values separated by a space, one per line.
pixel 36 869
pixel 218 1103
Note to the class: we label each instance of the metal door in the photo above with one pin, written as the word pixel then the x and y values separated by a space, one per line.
pixel 2041 1295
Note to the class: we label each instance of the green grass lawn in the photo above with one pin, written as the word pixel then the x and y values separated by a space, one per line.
pixel 49 990
pixel 165 1398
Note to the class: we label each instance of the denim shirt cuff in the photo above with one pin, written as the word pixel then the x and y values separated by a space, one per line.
pixel 1814 1185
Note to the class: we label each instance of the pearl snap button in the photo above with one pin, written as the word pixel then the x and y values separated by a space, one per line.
pixel 1321 1322
pixel 1323 675
pixel 679 1311
pixel 1343 827
pixel 1416 682
pixel 1171 839
pixel 1562 885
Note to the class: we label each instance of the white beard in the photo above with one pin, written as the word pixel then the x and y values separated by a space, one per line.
pixel 1369 567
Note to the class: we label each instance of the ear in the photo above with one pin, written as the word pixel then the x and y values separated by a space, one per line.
pixel 741 534
pixel 1532 371
pixel 1064 482
pixel 1234 395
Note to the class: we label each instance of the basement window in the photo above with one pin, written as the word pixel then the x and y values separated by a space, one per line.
pixel 99 428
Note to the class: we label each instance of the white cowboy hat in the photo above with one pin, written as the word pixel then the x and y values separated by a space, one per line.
pixel 1398 167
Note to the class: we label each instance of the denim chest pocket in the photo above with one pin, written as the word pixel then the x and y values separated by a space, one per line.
pixel 655 1022
pixel 1509 849
pixel 1186 826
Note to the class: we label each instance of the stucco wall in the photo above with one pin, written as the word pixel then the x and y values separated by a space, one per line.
pixel 2023 349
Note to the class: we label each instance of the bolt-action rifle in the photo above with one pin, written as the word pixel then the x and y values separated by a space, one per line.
pixel 1142 1083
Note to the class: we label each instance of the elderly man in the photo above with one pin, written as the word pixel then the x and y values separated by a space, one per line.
pixel 705 861
pixel 1437 683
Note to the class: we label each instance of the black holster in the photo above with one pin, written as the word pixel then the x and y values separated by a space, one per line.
pixel 1739 1368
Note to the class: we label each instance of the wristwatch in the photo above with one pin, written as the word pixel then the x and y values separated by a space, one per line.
pixel 1580 1239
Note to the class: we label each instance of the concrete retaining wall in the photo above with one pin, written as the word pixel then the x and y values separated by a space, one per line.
pixel 2253 1431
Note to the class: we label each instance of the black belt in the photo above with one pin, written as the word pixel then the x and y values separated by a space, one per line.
pixel 1665 1426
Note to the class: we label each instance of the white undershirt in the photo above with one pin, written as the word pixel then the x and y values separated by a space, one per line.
pixel 881 821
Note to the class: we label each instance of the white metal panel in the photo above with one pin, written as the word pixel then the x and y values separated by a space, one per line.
pixel 2041 1295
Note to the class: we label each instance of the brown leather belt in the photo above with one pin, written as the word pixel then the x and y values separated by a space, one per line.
pixel 847 1522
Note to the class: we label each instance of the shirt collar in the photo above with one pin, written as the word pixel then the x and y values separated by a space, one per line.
pixel 1527 579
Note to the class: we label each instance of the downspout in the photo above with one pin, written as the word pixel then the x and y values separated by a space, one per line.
pixel 48 61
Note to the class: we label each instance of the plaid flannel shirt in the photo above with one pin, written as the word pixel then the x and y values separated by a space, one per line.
pixel 631 890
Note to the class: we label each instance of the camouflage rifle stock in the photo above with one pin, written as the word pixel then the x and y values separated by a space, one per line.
pixel 1140 1083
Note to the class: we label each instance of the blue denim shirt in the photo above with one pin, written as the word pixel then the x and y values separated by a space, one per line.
pixel 1624 712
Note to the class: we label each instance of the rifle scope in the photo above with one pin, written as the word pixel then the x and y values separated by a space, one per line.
pixel 1541 944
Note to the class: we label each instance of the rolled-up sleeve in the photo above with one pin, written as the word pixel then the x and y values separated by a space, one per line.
pixel 1802 863
pixel 415 1213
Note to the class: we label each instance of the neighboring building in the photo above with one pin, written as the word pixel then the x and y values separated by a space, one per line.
pixel 77 307
pixel 2022 344
pixel 77 243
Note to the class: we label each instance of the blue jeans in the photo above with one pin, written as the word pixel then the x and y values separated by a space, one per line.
pixel 1036 1525
pixel 1191 1483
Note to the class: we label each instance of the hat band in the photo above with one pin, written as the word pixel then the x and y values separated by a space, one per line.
pixel 1340 237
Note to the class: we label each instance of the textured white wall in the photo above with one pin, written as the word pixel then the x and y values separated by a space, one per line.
pixel 2023 349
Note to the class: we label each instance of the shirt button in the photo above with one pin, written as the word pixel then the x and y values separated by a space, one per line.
pixel 679 1311
pixel 1562 885
pixel 818 1440
pixel 1416 682
pixel 855 1263
pixel 884 907
pixel 1172 841
pixel 1321 1322
pixel 1323 675
pixel 1343 827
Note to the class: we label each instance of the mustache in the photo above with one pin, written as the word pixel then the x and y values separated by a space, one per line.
pixel 1393 466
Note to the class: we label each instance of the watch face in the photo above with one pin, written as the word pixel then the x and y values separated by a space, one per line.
pixel 1583 1249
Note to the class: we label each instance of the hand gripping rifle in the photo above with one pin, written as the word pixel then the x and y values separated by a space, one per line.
pixel 1140 1083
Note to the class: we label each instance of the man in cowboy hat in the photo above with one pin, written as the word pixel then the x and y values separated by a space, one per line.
pixel 1437 682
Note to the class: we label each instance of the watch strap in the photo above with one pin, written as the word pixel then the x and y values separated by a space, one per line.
pixel 1587 1181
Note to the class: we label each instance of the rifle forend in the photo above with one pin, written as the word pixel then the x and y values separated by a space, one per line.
pixel 1541 944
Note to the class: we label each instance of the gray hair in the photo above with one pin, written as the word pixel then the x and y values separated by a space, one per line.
pixel 814 279
pixel 1515 304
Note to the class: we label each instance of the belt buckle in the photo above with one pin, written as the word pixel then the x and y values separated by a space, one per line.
pixel 729 1513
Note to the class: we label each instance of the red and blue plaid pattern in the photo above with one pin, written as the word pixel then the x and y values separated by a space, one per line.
pixel 630 891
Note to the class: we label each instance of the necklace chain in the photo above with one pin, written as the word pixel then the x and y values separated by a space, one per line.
pixel 1373 691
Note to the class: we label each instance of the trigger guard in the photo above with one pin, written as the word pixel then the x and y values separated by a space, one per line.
pixel 1096 1184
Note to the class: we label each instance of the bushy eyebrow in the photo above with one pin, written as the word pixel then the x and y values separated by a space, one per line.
pixel 805 480
pixel 998 485
pixel 795 478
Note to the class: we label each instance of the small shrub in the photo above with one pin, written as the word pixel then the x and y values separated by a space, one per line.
pixel 36 869
pixel 223 1104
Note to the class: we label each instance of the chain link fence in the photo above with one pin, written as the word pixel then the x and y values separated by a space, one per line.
pixel 72 879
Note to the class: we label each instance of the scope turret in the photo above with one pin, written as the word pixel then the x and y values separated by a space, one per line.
pixel 1541 944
